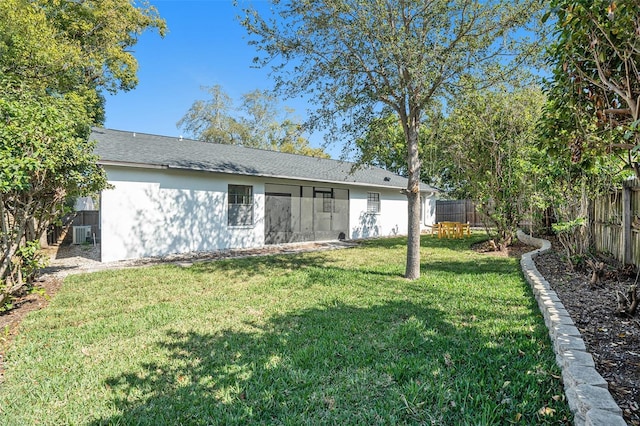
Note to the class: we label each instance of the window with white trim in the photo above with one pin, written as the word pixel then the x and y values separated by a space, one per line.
pixel 240 207
pixel 373 202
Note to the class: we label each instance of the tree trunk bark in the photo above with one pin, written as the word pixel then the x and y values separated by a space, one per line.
pixel 412 271
pixel 413 239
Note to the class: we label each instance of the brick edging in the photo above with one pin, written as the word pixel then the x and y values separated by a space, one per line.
pixel 586 390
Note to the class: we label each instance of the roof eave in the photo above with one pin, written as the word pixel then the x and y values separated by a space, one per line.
pixel 132 165
pixel 262 175
pixel 273 176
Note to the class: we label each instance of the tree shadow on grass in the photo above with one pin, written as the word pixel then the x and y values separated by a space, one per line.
pixel 399 362
pixel 261 265
pixel 476 266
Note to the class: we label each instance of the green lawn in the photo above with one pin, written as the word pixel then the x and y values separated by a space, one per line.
pixel 320 338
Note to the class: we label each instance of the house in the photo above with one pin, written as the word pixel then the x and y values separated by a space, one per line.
pixel 174 195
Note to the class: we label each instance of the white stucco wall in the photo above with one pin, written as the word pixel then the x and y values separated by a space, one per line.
pixel 392 218
pixel 428 210
pixel 155 212
pixel 159 212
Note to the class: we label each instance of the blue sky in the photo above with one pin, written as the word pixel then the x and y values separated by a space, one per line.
pixel 205 45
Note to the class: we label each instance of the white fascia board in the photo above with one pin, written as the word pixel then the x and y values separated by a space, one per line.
pixel 133 165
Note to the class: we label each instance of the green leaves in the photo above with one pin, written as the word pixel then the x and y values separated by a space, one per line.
pixel 44 158
pixel 258 122
pixel 43 144
pixel 596 83
pixel 355 56
pixel 490 135
pixel 66 44
pixel 55 58
pixel 385 145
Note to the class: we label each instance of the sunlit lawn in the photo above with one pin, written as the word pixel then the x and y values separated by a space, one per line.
pixel 321 338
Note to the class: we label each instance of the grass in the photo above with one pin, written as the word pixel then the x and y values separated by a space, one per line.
pixel 320 338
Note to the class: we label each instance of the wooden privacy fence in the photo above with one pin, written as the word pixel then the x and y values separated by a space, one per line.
pixel 615 223
pixel 462 211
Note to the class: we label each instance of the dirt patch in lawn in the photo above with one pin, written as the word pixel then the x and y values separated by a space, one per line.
pixel 516 250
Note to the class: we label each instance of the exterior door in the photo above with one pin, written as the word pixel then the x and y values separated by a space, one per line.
pixel 323 210
pixel 331 213
pixel 277 218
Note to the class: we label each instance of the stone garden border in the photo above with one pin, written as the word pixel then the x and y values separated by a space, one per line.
pixel 586 390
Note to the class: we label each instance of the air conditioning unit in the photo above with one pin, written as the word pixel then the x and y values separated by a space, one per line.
pixel 81 234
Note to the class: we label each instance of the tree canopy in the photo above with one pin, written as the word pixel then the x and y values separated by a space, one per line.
pixel 66 44
pixel 56 56
pixel 352 57
pixel 258 123
pixel 595 86
pixel 383 145
pixel 491 139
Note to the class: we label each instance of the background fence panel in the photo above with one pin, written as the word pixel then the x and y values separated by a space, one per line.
pixel 615 223
pixel 457 211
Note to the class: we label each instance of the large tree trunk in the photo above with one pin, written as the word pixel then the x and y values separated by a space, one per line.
pixel 413 240
pixel 413 195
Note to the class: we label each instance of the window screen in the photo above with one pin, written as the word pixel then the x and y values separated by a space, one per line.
pixel 240 209
pixel 373 202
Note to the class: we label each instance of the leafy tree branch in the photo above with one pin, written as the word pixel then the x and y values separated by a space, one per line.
pixel 258 123
pixel 354 57
pixel 55 58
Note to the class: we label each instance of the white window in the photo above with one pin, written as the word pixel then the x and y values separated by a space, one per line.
pixel 373 202
pixel 240 209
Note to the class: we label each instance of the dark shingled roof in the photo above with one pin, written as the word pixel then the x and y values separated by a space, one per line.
pixel 118 147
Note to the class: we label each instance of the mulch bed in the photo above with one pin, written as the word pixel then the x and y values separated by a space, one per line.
pixel 612 339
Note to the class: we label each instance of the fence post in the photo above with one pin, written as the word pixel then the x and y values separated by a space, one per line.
pixel 626 223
